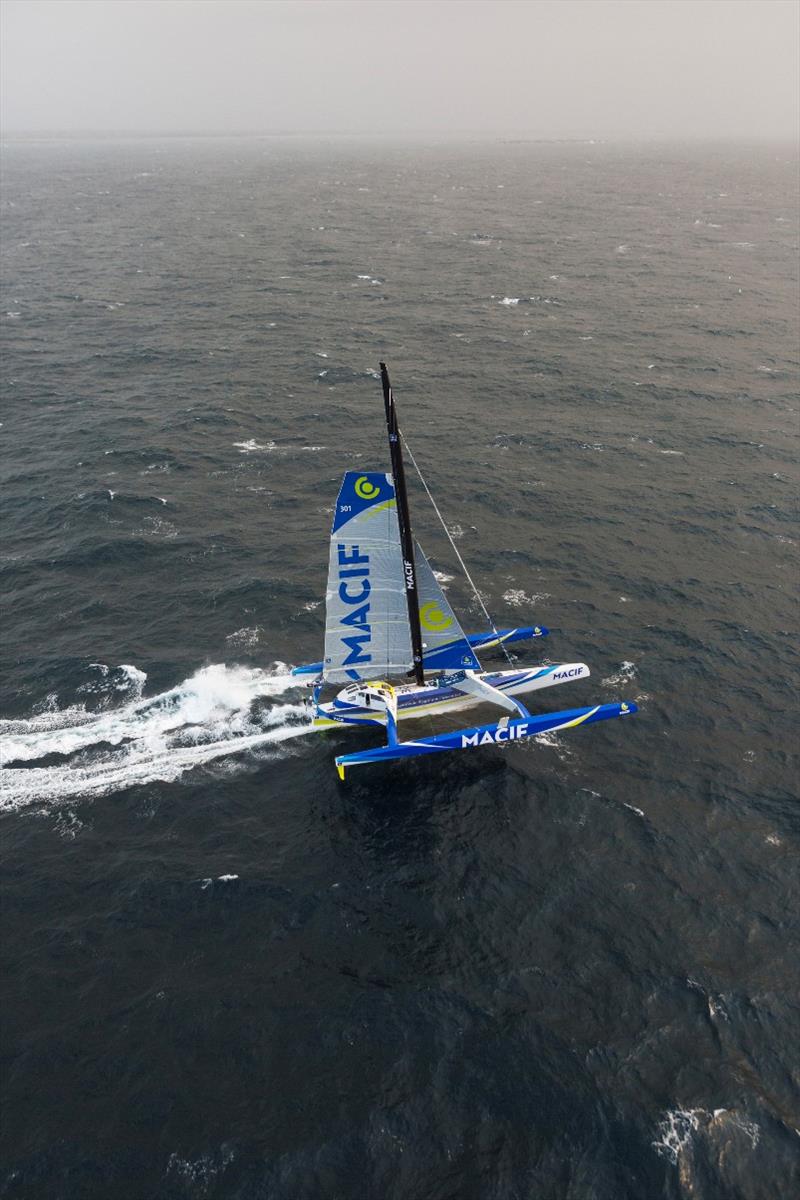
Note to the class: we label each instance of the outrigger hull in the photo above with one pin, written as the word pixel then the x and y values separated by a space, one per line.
pixel 500 733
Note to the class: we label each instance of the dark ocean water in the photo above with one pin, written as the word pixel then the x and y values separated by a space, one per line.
pixel 566 969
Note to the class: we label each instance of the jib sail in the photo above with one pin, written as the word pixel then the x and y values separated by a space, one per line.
pixel 445 645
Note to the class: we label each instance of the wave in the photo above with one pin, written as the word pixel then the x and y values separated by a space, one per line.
pixel 218 711
pixel 517 597
pixel 721 1131
pixel 624 675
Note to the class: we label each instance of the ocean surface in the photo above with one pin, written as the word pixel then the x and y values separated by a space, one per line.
pixel 562 970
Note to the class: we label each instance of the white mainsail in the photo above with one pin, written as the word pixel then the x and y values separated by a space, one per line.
pixel 367 632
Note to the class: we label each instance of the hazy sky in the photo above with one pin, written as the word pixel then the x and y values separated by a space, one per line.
pixel 545 68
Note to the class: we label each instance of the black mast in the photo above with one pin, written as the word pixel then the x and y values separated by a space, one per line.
pixel 406 540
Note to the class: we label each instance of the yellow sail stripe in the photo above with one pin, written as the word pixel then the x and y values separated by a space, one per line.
pixel 376 508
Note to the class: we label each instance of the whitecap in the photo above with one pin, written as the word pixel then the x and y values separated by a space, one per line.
pixel 246 637
pixel 196 1175
pixel 624 675
pixel 676 1130
pixel 679 1127
pixel 68 825
pixel 551 741
pixel 517 597
pixel 124 678
pixel 251 445
pixel 157 527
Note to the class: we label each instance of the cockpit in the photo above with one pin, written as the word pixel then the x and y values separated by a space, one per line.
pixel 367 693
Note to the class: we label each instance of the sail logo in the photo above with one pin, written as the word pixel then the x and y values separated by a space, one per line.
pixel 354 590
pixel 408 567
pixel 364 489
pixel 433 619
pixel 482 738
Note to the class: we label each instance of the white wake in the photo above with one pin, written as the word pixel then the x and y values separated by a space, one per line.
pixel 219 711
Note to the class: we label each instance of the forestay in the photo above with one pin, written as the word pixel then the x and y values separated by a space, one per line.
pixel 366 629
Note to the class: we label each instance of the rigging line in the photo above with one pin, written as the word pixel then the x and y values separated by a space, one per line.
pixel 456 551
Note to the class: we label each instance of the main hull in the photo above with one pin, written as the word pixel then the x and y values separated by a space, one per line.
pixel 433 698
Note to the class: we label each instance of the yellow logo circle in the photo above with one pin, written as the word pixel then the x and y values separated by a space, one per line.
pixel 365 489
pixel 433 619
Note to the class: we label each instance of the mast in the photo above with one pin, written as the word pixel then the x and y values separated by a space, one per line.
pixel 404 521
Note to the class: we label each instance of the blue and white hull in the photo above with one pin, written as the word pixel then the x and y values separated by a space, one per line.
pixel 352 706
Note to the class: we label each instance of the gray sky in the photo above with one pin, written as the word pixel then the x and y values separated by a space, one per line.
pixel 543 68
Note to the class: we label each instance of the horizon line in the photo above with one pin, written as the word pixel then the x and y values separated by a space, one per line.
pixel 495 135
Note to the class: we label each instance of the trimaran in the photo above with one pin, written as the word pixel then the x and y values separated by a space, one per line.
pixel 387 616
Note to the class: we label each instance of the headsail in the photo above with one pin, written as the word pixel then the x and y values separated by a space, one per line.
pixel 446 646
pixel 366 629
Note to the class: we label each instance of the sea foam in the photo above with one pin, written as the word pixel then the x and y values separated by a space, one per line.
pixel 218 711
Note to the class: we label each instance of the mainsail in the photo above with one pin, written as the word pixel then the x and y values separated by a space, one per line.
pixel 445 645
pixel 366 630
